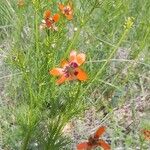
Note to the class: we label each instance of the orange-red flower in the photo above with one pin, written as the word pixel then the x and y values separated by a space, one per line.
pixel 146 134
pixel 70 69
pixel 66 10
pixel 49 21
pixel 94 141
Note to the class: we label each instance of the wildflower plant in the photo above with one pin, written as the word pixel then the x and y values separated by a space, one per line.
pixel 46 108
pixel 71 70
pixel 49 21
pixel 94 141
pixel 60 56
pixel 67 10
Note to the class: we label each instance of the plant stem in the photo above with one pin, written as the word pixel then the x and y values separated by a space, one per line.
pixel 36 36
pixel 73 42
pixel 109 58
pixel 26 141
pixel 86 19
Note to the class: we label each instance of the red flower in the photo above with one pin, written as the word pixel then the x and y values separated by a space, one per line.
pixel 70 69
pixel 66 10
pixel 94 141
pixel 49 21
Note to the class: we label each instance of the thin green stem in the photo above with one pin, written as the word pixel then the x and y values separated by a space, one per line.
pixel 27 76
pixel 73 42
pixel 36 33
pixel 26 140
pixel 131 66
pixel 83 23
pixel 119 60
pixel 108 60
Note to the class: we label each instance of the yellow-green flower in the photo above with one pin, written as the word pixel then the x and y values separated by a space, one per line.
pixel 129 23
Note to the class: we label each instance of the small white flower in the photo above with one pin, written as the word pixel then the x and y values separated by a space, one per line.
pixel 36 144
pixel 53 45
pixel 75 29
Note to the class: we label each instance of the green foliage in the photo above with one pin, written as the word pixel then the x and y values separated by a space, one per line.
pixel 41 108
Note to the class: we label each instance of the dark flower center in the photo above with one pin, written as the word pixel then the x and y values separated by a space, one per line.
pixel 74 65
pixel 49 22
pixel 93 141
pixel 67 10
pixel 70 70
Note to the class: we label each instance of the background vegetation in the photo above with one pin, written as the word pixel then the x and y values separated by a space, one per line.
pixel 34 110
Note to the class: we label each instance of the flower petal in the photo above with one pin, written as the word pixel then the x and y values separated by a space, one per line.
pixel 61 6
pixel 61 80
pixel 48 23
pixel 84 146
pixel 100 131
pixel 73 77
pixel 54 27
pixel 80 58
pixel 47 14
pixel 42 26
pixel 73 55
pixel 81 75
pixel 69 17
pixel 56 72
pixel 64 63
pixel 104 145
pixel 56 17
